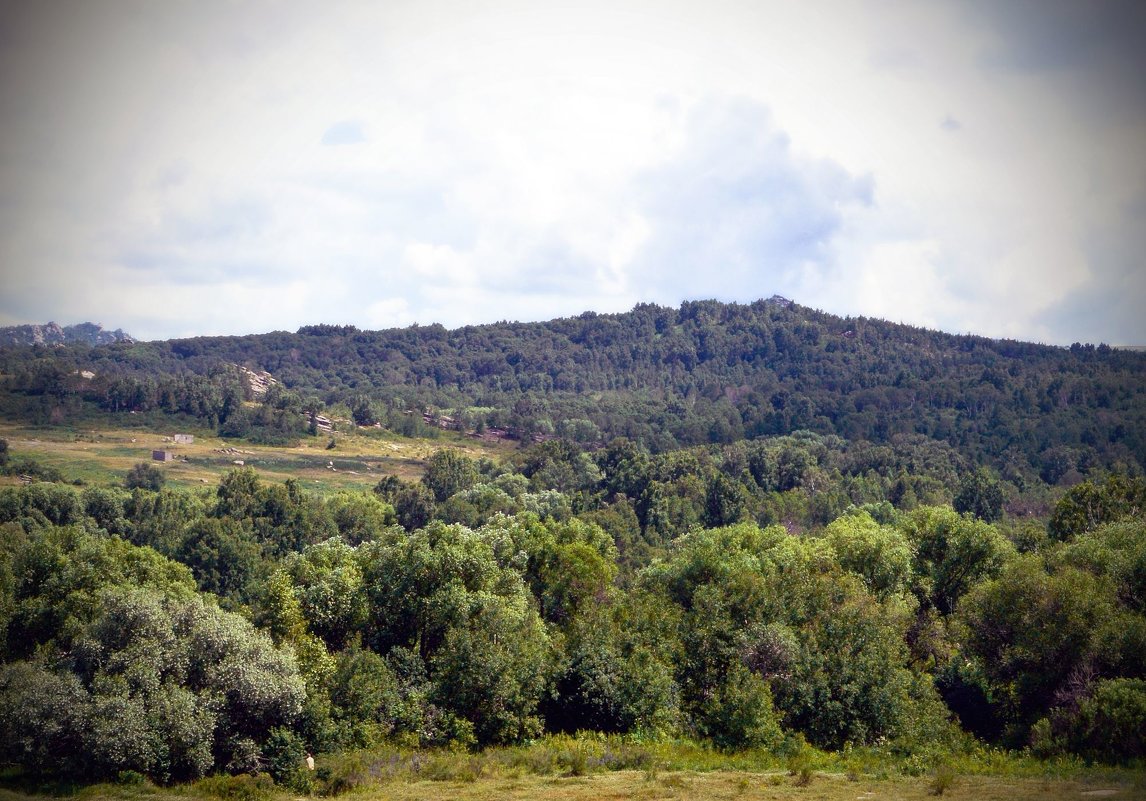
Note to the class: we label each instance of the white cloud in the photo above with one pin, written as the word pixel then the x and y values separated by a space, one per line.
pixel 514 160
pixel 734 210
pixel 388 313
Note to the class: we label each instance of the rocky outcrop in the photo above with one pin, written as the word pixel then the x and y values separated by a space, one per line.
pixel 54 334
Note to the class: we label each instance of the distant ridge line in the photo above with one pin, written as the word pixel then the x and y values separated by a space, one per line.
pixel 54 334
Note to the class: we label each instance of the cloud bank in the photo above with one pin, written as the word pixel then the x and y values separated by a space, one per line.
pixel 179 169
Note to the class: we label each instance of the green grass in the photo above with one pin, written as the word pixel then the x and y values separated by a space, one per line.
pixel 599 767
pixel 101 451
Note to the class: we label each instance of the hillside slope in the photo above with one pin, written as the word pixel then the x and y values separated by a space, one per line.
pixel 706 372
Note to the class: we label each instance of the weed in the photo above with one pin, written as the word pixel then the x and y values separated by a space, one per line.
pixel 243 787
pixel 576 761
pixel 129 778
pixel 453 768
pixel 943 780
pixel 652 770
pixel 803 777
pixel 800 764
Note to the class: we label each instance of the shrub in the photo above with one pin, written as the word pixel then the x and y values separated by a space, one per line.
pixel 284 756
pixel 799 762
pixel 144 476
pixel 130 778
pixel 943 780
pixel 1116 715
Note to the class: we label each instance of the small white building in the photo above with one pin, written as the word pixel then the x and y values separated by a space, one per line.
pixel 184 439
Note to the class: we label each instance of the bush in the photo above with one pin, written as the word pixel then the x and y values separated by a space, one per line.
pixel 144 476
pixel 739 713
pixel 130 778
pixel 1116 718
pixel 943 780
pixel 799 761
pixel 284 755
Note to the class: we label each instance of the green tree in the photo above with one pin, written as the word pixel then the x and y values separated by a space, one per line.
pixel 441 593
pixel 726 502
pixel 362 411
pixel 880 555
pixel 833 656
pixel 1108 725
pixel 1030 631
pixel 1116 551
pixel 1090 504
pixel 285 518
pixel 449 471
pixel 238 494
pixel 105 507
pixel 224 557
pixel 492 669
pixel 327 581
pixel 132 670
pixel 370 701
pixel 952 554
pixel 981 495
pixel 158 519
pixel 360 517
pixel 568 565
pixel 144 476
pixel 617 671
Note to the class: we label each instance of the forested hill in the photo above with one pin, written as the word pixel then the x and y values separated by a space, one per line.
pixel 856 576
pixel 706 372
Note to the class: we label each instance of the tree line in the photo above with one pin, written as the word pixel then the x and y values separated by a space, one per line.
pixel 179 633
pixel 704 373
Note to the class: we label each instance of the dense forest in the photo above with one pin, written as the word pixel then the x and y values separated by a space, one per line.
pixel 707 372
pixel 750 526
pixel 174 634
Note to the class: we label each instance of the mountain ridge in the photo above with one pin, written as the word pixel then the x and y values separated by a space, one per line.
pixel 54 334
pixel 704 373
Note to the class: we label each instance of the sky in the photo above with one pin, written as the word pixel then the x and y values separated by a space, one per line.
pixel 221 167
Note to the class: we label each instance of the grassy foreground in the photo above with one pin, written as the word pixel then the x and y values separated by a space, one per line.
pixel 562 768
pixel 676 785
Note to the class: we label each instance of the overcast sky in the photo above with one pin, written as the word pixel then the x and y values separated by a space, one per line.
pixel 182 168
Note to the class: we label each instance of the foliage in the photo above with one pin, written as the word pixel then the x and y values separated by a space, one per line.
pixel 781 607
pixel 1091 503
pixel 144 476
pixel 753 594
pixel 980 495
pixel 705 372
pixel 441 593
pixel 618 673
pixel 140 674
pixel 952 554
pixel 880 555
pixel 1039 637
pixel 447 472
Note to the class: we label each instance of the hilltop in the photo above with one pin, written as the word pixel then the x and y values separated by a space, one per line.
pixel 706 372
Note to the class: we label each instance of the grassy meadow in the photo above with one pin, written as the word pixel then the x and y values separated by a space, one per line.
pixel 103 454
pixel 562 768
